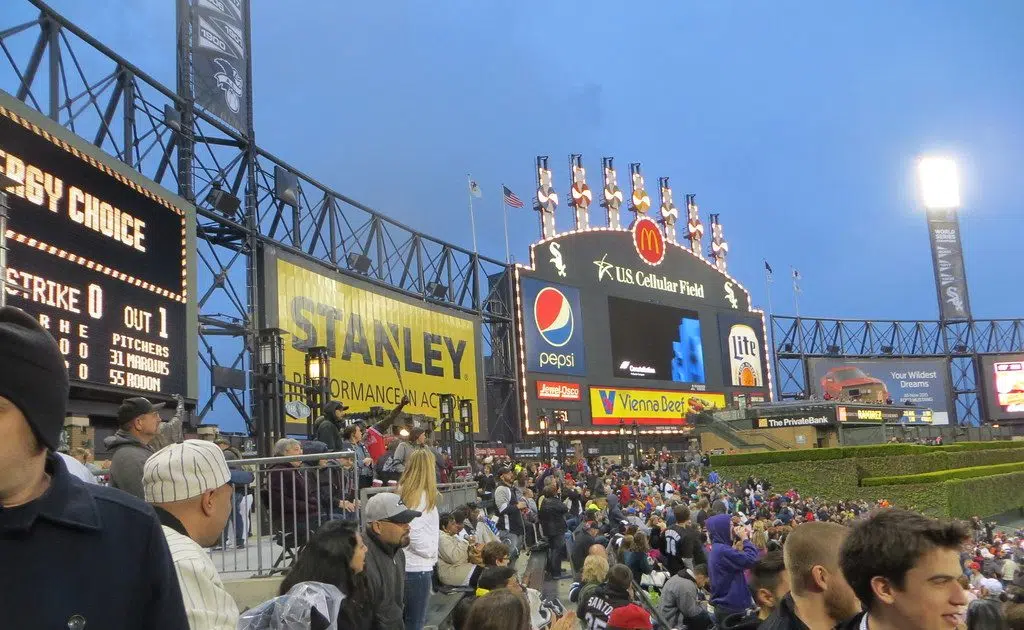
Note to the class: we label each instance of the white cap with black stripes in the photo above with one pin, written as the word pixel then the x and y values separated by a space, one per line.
pixel 183 471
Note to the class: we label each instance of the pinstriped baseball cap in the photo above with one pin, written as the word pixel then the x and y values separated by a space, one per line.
pixel 183 471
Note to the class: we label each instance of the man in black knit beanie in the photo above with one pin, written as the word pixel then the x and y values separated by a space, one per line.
pixel 75 555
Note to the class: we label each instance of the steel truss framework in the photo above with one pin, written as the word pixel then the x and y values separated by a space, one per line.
pixel 797 339
pixel 55 67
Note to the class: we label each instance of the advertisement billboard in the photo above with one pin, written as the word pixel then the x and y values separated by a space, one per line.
pixel 921 383
pixel 1002 378
pixel 632 311
pixel 381 344
pixel 551 390
pixel 888 414
pixel 782 422
pixel 101 257
pixel 554 328
pixel 609 405
pixel 743 349
pixel 665 346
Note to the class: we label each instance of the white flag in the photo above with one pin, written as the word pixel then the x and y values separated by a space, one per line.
pixel 474 189
pixel 796 274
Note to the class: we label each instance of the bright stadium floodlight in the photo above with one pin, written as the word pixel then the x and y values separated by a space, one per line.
pixel 938 182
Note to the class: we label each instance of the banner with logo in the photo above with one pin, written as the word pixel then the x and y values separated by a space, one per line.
pixel 220 73
pixel 382 345
pixel 917 383
pixel 551 390
pixel 782 422
pixel 950 276
pixel 744 358
pixel 553 328
pixel 609 405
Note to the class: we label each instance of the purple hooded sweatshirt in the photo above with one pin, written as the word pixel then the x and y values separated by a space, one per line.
pixel 726 566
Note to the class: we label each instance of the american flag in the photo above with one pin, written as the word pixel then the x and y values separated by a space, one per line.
pixel 510 198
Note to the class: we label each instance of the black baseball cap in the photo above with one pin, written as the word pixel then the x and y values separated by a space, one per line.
pixel 501 470
pixel 132 408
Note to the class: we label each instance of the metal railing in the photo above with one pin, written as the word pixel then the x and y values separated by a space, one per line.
pixel 274 515
pixel 288 498
pixel 453 495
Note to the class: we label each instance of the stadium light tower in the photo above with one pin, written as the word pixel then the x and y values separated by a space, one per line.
pixel 939 183
pixel 939 189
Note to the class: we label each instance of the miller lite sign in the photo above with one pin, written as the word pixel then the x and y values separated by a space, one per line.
pixel 745 357
pixel 743 343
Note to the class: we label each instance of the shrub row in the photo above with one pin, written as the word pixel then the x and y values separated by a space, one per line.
pixel 872 450
pixel 944 475
pixel 931 462
pixel 984 496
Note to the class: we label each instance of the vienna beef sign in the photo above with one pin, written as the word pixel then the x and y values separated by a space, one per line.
pixel 381 345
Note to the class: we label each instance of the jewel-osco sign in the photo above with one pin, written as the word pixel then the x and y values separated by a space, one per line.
pixel 649 242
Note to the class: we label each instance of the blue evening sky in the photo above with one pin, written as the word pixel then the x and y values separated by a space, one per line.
pixel 798 122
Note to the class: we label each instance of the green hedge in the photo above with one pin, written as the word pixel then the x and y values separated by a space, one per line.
pixel 984 496
pixel 871 450
pixel 931 462
pixel 980 446
pixel 944 475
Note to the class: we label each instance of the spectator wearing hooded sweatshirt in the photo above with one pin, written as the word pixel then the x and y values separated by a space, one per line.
pixel 328 426
pixel 726 564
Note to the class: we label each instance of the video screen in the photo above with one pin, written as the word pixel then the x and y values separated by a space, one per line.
pixel 1008 379
pixel 655 342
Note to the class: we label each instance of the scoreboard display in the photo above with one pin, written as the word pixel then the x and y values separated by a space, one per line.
pixel 99 259
pixel 623 326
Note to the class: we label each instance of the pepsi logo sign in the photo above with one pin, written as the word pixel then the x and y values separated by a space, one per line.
pixel 552 313
pixel 553 328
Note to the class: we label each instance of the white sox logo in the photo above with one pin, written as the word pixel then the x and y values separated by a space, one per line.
pixel 556 259
pixel 731 296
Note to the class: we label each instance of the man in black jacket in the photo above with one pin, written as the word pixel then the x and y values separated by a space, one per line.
pixel 585 538
pixel 76 555
pixel 682 544
pixel 552 522
pixel 387 532
pixel 328 426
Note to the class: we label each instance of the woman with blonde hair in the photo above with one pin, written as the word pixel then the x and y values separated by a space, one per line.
pixel 760 537
pixel 418 490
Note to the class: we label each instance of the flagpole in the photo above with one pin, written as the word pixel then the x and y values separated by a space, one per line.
pixel 472 217
pixel 504 211
pixel 771 325
pixel 796 293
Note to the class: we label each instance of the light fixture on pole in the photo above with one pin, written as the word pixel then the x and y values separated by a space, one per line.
pixel 449 436
pixel 466 427
pixel 938 183
pixel 939 190
pixel 622 439
pixel 318 377
pixel 542 426
pixel 268 384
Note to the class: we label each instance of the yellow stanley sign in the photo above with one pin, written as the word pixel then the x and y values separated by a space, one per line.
pixel 371 336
